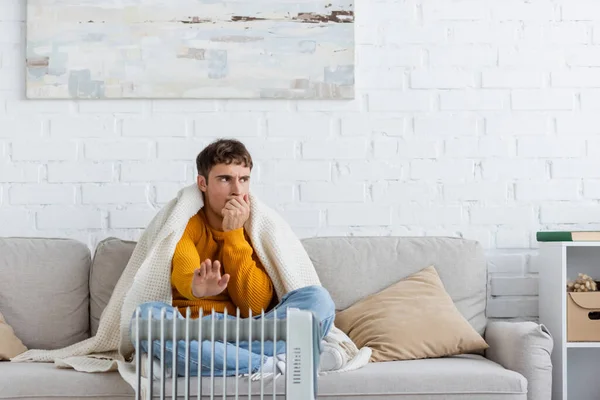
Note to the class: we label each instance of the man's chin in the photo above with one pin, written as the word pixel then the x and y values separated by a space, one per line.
pixel 218 213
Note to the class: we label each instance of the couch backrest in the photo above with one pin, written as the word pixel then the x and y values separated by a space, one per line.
pixel 44 290
pixel 352 268
pixel 53 282
pixel 110 259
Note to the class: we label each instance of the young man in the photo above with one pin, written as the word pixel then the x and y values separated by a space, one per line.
pixel 215 267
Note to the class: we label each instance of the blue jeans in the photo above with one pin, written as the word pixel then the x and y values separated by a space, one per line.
pixel 309 298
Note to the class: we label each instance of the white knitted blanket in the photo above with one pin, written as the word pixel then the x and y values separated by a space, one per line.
pixel 147 278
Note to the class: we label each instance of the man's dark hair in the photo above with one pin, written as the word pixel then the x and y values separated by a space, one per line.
pixel 222 151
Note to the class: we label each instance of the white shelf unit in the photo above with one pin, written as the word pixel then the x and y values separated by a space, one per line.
pixel 583 344
pixel 575 365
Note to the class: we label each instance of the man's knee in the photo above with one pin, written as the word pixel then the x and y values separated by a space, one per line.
pixel 153 308
pixel 321 300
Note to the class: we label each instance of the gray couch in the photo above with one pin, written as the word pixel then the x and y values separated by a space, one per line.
pixel 52 291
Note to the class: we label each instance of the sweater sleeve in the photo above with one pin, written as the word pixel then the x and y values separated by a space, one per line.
pixel 250 286
pixel 186 259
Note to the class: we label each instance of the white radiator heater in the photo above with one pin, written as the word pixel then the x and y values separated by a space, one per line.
pixel 298 329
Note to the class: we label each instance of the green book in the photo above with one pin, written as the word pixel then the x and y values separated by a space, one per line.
pixel 568 236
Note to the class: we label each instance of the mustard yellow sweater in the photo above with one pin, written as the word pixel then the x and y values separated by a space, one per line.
pixel 249 286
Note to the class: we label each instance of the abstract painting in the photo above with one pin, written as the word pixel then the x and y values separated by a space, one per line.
pixel 116 49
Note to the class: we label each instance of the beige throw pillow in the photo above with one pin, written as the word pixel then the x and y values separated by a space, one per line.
pixel 10 345
pixel 411 319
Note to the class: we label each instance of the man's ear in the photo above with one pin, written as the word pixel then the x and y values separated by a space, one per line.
pixel 202 183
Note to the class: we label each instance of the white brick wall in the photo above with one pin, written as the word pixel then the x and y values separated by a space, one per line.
pixel 474 118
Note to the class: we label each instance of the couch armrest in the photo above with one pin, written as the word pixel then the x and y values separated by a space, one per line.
pixel 523 347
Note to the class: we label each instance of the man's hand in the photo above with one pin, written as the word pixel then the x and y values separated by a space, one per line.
pixel 207 280
pixel 236 213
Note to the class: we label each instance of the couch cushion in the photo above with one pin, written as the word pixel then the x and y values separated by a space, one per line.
pixel 459 262
pixel 26 381
pixel 459 377
pixel 352 268
pixel 44 291
pixel 110 259
pixel 454 378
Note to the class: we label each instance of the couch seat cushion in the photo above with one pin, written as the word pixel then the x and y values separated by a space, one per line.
pixel 463 377
pixel 457 377
pixel 44 380
pixel 460 377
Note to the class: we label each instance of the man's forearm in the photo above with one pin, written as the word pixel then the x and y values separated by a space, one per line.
pixel 185 261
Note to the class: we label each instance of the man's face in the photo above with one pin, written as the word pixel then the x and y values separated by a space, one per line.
pixel 224 183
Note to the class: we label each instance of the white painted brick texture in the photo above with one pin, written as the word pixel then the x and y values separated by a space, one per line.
pixel 475 118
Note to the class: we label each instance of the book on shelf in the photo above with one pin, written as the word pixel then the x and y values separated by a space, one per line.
pixel 568 236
